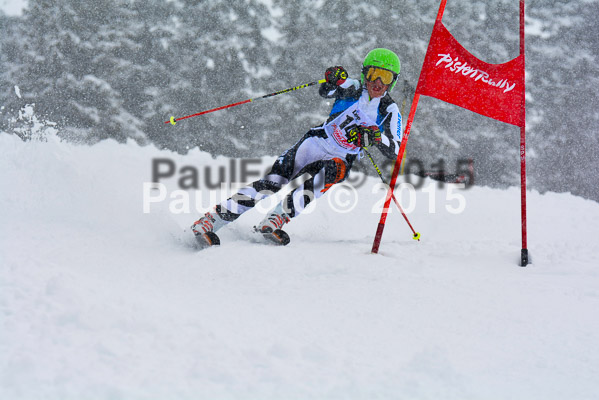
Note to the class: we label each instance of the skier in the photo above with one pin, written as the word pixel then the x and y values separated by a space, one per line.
pixel 363 114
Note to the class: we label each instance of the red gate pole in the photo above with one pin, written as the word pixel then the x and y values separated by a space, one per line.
pixel 402 148
pixel 381 226
pixel 524 260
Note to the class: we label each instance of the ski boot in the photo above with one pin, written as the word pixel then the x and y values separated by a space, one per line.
pixel 204 229
pixel 270 227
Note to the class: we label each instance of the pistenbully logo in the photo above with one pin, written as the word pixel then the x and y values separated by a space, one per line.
pixel 456 66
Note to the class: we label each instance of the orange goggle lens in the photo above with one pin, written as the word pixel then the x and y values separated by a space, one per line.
pixel 374 73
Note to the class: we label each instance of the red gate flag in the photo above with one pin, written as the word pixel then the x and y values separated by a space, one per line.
pixel 450 73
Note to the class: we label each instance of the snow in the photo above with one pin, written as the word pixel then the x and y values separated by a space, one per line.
pixel 99 300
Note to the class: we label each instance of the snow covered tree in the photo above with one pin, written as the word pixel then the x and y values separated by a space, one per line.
pixel 63 74
pixel 10 50
pixel 563 77
pixel 119 69
pixel 222 54
pixel 84 66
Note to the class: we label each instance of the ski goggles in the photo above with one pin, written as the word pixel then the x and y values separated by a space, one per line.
pixel 374 73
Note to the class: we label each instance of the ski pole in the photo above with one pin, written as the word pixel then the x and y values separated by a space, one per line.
pixel 174 120
pixel 416 234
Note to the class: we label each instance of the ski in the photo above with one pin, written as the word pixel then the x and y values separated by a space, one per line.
pixel 278 237
pixel 206 240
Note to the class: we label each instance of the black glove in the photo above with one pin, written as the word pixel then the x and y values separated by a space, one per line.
pixel 363 136
pixel 335 75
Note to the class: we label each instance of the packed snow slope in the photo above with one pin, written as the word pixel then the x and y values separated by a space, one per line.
pixel 101 300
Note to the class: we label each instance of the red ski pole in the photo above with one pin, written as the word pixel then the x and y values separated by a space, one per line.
pixel 174 120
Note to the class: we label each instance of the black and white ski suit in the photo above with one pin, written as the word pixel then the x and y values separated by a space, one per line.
pixel 323 152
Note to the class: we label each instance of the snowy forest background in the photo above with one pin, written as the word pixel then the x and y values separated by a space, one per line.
pixel 119 69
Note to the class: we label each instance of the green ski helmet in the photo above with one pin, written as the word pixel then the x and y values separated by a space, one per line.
pixel 382 58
